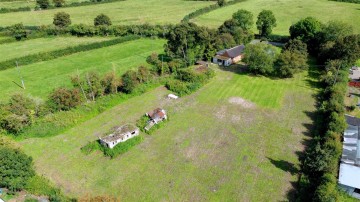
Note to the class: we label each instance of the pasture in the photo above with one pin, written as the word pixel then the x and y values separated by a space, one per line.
pixel 122 12
pixel 27 3
pixel 236 138
pixel 288 12
pixel 28 47
pixel 41 78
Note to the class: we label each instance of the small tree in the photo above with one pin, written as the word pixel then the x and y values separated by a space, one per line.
pixel 15 170
pixel 266 21
pixel 102 20
pixel 43 4
pixel 59 3
pixel 18 31
pixel 64 99
pixel 111 83
pixel 221 2
pixel 244 19
pixel 129 81
pixel 290 63
pixel 62 20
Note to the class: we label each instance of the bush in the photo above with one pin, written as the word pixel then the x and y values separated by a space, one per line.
pixel 15 169
pixel 178 87
pixel 43 4
pixel 59 3
pixel 129 81
pixel 62 20
pixel 103 20
pixel 63 99
pixel 18 31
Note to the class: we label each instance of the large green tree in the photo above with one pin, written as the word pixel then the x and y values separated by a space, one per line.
pixel 260 58
pixel 306 29
pixel 291 62
pixel 244 19
pixel 15 168
pixel 266 21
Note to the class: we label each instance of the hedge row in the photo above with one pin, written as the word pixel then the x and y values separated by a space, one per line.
pixel 29 59
pixel 11 10
pixel 349 1
pixel 208 9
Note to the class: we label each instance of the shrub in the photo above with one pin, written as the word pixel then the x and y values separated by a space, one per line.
pixel 111 83
pixel 62 20
pixel 102 19
pixel 43 4
pixel 15 169
pixel 18 31
pixel 260 58
pixel 59 3
pixel 63 99
pixel 129 81
pixel 178 87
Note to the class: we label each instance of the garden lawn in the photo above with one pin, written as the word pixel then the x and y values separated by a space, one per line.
pixel 212 148
pixel 123 12
pixel 23 48
pixel 41 78
pixel 288 12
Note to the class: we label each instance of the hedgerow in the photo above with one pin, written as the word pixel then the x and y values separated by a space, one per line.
pixel 29 59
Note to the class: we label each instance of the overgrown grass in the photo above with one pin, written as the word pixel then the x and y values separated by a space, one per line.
pixel 41 78
pixel 126 12
pixel 288 12
pixel 40 186
pixel 211 150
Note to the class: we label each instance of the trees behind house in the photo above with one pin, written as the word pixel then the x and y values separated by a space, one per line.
pixel 244 19
pixel 260 58
pixel 102 19
pixel 62 19
pixel 306 29
pixel 266 21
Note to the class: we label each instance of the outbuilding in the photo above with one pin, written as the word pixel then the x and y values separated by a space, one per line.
pixel 120 134
pixel 229 56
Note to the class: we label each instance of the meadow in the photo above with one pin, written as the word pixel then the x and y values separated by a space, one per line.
pixel 123 12
pixel 288 12
pixel 41 78
pixel 28 47
pixel 236 138
pixel 27 3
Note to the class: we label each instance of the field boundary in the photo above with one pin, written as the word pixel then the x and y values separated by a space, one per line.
pixel 45 56
pixel 208 9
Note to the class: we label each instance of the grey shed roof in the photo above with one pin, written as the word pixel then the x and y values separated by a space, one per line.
pixel 351 144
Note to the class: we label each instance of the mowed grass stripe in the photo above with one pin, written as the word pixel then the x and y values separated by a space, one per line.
pixel 287 12
pixel 23 48
pixel 41 78
pixel 124 12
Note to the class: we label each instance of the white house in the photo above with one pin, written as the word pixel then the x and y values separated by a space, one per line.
pixel 349 173
pixel 121 134
pixel 229 56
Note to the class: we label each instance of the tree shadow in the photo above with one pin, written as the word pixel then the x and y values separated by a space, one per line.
pixel 285 166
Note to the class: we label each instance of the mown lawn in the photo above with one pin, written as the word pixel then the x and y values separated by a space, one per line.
pixel 124 12
pixel 41 78
pixel 288 12
pixel 28 3
pixel 28 47
pixel 210 150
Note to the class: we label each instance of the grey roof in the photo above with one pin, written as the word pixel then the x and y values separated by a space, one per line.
pixel 351 144
pixel 349 175
pixel 232 52
pixel 119 133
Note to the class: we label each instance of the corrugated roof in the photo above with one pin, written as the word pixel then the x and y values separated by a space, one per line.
pixel 351 144
pixel 119 133
pixel 349 175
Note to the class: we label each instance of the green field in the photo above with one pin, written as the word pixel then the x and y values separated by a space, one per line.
pixel 212 149
pixel 28 47
pixel 29 3
pixel 124 12
pixel 41 78
pixel 288 12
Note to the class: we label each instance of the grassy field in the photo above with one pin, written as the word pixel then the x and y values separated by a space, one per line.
pixel 125 12
pixel 235 139
pixel 41 78
pixel 28 47
pixel 288 12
